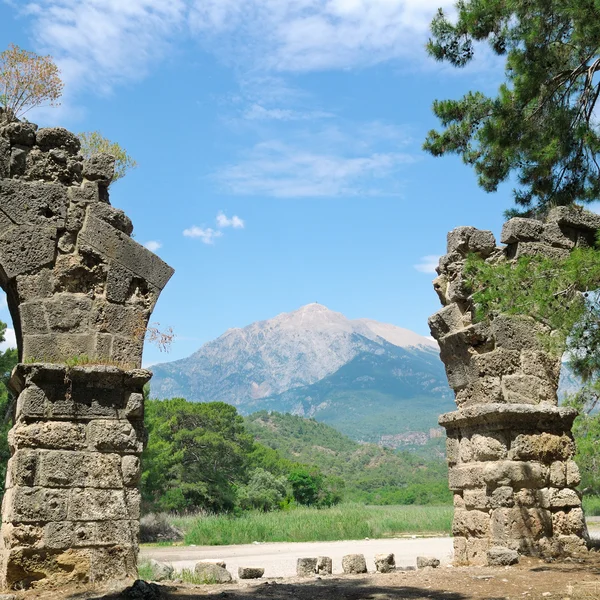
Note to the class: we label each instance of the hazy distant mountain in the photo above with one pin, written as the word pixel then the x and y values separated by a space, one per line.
pixel 372 381
pixel 267 358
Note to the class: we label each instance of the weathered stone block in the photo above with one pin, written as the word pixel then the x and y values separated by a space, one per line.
pixel 117 246
pixel 445 321
pixel 483 390
pixel 521 230
pixel 99 167
pixel 544 447
pixel 558 236
pixel 57 346
pixel 570 522
pixel 466 476
pixel 27 248
pixel 134 502
pixel 515 473
pixel 95 505
pixel 574 217
pixel 499 556
pixel 465 450
pixel 502 497
pixel 492 446
pixel 452 450
pixel 114 216
pixel 522 524
pixel 527 389
pixel 79 469
pixel 29 204
pixel 385 563
pixel 22 468
pixel 51 435
pixel 573 475
pixel 558 474
pixel 306 567
pixel 496 363
pixel 354 563
pixel 476 499
pixel 114 436
pixel 324 565
pixel 69 313
pixel 250 572
pixel 211 573
pixel 470 239
pixel 34 504
pixel 57 137
pixel 474 523
pixel 427 561
pixel 515 333
pixel 4 158
pixel 131 468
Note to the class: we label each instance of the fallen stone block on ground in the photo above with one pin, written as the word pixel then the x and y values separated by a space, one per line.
pixel 211 573
pixel 250 572
pixel 354 563
pixel 324 565
pixel 384 563
pixel 427 561
pixel 306 567
pixel 499 556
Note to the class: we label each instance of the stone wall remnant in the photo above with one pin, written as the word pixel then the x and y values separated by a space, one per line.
pixel 80 291
pixel 509 445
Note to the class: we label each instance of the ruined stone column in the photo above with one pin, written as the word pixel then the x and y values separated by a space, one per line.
pixel 509 446
pixel 80 291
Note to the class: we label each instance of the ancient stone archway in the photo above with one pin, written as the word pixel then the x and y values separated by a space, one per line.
pixel 509 448
pixel 80 292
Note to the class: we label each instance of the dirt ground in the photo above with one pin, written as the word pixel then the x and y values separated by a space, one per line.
pixel 530 580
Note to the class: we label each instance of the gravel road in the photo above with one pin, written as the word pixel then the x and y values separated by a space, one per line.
pixel 279 559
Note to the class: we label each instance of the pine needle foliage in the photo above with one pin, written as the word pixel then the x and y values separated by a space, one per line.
pixel 541 126
pixel 559 294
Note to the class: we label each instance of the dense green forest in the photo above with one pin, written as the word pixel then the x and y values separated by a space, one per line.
pixel 206 456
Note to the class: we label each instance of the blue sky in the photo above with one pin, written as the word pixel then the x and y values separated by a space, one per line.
pixel 279 148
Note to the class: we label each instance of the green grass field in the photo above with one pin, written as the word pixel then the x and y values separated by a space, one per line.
pixel 343 522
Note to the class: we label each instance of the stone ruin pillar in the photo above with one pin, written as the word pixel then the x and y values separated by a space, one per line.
pixel 80 292
pixel 509 446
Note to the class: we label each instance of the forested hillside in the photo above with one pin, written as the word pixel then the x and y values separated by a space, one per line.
pixel 206 456
pixel 370 473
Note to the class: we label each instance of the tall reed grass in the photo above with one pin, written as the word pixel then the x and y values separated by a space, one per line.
pixel 342 522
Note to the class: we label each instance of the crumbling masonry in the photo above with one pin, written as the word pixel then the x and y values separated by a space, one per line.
pixel 79 290
pixel 509 446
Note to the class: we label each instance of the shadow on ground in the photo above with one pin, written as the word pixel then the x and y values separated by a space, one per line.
pixel 332 589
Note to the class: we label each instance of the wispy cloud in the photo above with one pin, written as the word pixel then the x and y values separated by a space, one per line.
pixel 346 159
pixel 276 169
pixel 308 35
pixel 428 263
pixel 206 235
pixel 153 245
pixel 256 112
pixel 224 221
pixel 103 43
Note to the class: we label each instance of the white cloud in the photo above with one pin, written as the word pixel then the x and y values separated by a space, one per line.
pixel 348 160
pixel 256 112
pixel 153 245
pixel 224 221
pixel 10 340
pixel 100 43
pixel 207 235
pixel 428 264
pixel 308 35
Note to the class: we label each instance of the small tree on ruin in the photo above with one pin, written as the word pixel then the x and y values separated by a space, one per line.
pixel 27 80
pixel 93 142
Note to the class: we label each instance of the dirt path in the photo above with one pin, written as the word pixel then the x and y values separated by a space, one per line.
pixel 279 559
